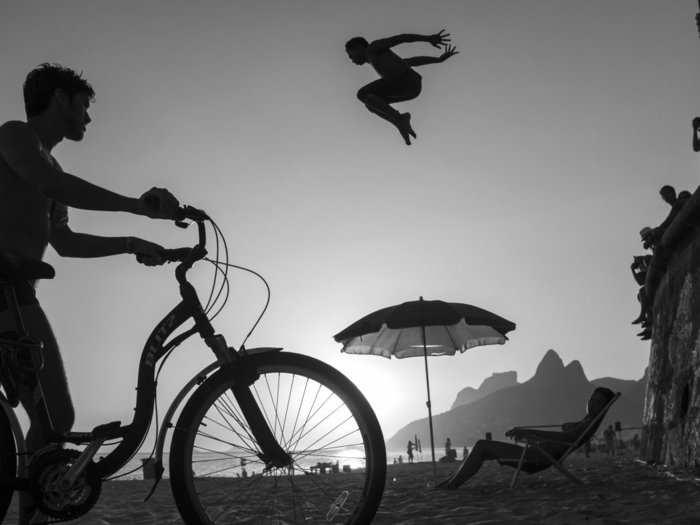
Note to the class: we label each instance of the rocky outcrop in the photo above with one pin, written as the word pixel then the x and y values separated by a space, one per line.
pixel 671 417
pixel 497 381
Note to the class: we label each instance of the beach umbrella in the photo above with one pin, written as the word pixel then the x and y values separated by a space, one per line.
pixel 423 328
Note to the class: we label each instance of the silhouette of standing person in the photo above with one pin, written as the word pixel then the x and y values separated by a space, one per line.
pixel 409 451
pixel 398 82
pixel 35 194
pixel 609 436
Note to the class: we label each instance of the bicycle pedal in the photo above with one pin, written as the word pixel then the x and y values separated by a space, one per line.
pixel 109 430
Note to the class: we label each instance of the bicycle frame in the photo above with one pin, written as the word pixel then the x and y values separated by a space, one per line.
pixel 156 347
pixel 135 432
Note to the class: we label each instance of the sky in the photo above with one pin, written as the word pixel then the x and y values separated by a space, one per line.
pixel 541 149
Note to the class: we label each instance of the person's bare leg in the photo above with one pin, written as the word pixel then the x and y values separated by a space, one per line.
pixel 483 450
pixel 402 121
pixel 55 386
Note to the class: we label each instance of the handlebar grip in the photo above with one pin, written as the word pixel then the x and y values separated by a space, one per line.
pixel 177 254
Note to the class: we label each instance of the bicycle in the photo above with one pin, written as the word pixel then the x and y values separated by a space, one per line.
pixel 284 416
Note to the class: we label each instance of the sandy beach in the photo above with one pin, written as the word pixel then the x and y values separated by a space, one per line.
pixel 617 490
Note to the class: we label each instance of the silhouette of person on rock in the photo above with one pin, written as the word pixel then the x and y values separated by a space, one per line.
pixel 398 82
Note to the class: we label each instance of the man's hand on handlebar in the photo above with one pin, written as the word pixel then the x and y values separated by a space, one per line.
pixel 148 253
pixel 159 203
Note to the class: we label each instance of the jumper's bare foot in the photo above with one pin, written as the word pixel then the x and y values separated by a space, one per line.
pixel 404 127
pixel 405 135
pixel 406 117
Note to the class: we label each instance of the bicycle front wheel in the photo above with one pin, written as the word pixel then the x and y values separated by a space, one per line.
pixel 318 417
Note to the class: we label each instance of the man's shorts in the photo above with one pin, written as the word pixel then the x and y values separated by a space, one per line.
pixel 397 89
pixel 26 295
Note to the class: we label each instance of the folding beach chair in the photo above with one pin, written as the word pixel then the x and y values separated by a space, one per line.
pixel 535 442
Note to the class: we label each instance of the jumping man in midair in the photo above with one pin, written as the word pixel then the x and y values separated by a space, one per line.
pixel 399 81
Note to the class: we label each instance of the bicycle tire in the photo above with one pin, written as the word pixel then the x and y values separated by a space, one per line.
pixel 294 495
pixel 8 464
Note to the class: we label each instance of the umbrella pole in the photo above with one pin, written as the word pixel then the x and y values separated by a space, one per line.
pixel 430 410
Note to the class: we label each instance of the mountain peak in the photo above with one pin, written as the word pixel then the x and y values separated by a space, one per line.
pixel 574 371
pixel 551 364
pixel 497 381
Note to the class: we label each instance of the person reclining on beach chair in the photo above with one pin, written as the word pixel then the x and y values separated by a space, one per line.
pixel 543 448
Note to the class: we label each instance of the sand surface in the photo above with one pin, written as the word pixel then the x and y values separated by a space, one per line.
pixel 616 490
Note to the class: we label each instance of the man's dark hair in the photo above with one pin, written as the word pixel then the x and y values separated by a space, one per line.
pixel 42 81
pixel 357 41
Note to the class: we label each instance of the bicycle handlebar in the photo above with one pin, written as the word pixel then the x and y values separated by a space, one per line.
pixel 193 214
pixel 176 254
pixel 189 255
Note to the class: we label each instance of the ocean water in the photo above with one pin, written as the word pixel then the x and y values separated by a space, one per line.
pixel 209 463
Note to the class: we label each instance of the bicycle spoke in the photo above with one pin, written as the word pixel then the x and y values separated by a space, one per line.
pixel 306 419
pixel 204 434
pixel 261 405
pixel 289 400
pixel 274 406
pixel 321 421
pixel 301 403
pixel 333 429
pixel 229 427
pixel 223 453
pixel 239 419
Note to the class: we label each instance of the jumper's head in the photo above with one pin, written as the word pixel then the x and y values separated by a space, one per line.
pixel 668 194
pixel 356 49
pixel 58 93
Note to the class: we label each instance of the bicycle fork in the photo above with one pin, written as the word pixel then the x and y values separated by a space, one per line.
pixel 271 453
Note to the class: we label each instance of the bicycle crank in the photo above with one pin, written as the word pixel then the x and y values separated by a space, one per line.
pixel 53 495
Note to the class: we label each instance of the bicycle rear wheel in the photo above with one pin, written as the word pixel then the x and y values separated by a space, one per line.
pixel 8 463
pixel 318 417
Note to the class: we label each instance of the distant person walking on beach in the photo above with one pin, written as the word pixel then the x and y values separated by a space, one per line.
pixel 636 443
pixel 609 436
pixel 398 82
pixel 509 454
pixel 409 451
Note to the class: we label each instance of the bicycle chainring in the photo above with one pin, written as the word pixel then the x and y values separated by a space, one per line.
pixel 65 503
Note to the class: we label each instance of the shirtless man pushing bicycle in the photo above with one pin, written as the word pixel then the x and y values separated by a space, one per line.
pixel 399 81
pixel 35 194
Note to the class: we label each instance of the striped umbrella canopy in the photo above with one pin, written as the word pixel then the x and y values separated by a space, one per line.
pixel 422 328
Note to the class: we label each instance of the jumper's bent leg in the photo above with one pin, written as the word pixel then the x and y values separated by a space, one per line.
pixel 378 106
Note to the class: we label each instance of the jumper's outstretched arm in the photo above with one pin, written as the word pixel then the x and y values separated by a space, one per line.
pixel 437 40
pixel 421 61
